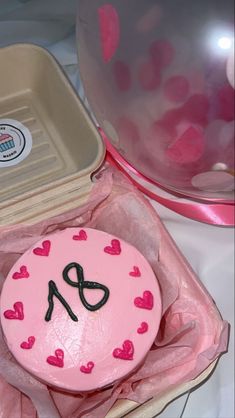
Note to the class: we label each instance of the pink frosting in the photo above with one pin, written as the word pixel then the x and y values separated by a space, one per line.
pixel 97 347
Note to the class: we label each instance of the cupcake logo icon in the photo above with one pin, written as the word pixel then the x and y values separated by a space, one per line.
pixel 6 142
pixel 15 142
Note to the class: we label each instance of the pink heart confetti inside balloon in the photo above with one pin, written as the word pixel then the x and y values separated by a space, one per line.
pixel 176 89
pixel 149 77
pixel 109 31
pixel 170 120
pixel 122 75
pixel 150 19
pixel 188 148
pixel 196 109
pixel 162 53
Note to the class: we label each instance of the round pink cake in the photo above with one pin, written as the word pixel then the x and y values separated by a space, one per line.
pixel 80 310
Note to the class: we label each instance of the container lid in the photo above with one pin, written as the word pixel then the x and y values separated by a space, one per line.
pixel 49 146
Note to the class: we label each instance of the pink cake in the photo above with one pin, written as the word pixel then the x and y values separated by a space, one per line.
pixel 80 310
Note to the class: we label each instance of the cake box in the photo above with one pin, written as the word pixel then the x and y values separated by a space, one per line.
pixel 46 166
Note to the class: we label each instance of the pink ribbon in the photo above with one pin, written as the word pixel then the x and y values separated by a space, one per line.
pixel 221 214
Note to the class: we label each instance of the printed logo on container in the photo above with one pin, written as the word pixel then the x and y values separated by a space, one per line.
pixel 15 142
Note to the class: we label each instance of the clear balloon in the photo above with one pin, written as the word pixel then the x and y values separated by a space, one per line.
pixel 159 77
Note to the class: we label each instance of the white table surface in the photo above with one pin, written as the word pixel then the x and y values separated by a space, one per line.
pixel 209 249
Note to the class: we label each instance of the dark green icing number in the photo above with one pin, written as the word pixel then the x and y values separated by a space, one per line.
pixel 81 285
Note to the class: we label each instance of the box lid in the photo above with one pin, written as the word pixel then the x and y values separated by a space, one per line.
pixel 49 146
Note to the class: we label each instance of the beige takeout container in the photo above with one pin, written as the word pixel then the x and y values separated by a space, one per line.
pixel 56 175
pixel 67 148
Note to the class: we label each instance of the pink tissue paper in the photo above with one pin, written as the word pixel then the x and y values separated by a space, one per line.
pixel 192 334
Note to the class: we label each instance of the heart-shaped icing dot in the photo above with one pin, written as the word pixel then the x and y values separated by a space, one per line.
pixel 136 272
pixel 114 249
pixel 43 251
pixel 82 236
pixel 143 328
pixel 126 352
pixel 88 368
pixel 145 302
pixel 57 360
pixel 16 313
pixel 27 345
pixel 22 274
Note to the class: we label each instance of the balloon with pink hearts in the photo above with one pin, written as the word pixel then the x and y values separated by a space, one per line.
pixel 158 76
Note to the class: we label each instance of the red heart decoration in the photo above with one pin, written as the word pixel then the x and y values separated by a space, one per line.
pixel 146 302
pixel 17 313
pixel 109 30
pixel 27 345
pixel 22 274
pixel 136 272
pixel 44 251
pixel 143 328
pixel 88 368
pixel 126 352
pixel 82 236
pixel 57 360
pixel 114 249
